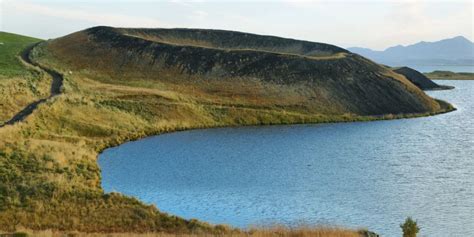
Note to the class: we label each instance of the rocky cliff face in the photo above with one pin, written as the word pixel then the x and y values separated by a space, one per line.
pixel 326 79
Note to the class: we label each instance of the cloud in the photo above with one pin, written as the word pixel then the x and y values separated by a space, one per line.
pixel 367 23
pixel 200 13
pixel 414 23
pixel 184 3
pixel 304 3
pixel 87 16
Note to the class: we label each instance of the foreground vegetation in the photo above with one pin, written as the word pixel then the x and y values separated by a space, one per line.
pixel 20 84
pixel 448 75
pixel 410 228
pixel 274 231
pixel 49 177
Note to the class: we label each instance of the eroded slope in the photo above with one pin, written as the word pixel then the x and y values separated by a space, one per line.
pixel 420 80
pixel 119 87
pixel 319 78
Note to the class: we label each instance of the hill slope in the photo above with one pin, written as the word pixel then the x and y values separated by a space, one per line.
pixel 40 186
pixel 317 77
pixel 454 51
pixel 20 85
pixel 125 84
pixel 10 47
pixel 419 79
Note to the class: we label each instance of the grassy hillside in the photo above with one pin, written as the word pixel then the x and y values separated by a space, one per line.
pixel 10 47
pixel 447 75
pixel 119 88
pixel 19 83
pixel 268 72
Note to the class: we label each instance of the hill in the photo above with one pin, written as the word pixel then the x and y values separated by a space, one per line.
pixel 420 80
pixel 453 51
pixel 20 84
pixel 41 185
pixel 125 84
pixel 10 47
pixel 300 75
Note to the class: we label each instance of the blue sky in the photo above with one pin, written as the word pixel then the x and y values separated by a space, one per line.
pixel 369 23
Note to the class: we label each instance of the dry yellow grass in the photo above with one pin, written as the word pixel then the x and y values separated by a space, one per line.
pixel 49 161
pixel 49 177
pixel 17 91
pixel 275 231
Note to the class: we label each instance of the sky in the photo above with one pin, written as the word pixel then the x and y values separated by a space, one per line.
pixel 346 23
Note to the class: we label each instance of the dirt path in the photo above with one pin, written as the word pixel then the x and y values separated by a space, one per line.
pixel 55 90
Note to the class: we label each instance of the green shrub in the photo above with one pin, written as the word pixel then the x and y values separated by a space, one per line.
pixel 410 228
pixel 20 234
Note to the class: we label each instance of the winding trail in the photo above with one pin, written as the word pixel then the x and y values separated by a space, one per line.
pixel 55 90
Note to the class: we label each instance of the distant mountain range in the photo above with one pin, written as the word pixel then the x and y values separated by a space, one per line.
pixel 453 51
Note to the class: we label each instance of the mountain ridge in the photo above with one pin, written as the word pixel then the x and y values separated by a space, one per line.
pixel 266 59
pixel 452 51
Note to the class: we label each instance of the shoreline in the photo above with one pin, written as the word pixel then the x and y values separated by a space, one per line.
pixel 360 119
pixel 445 108
pixel 449 75
pixel 441 88
pixel 98 146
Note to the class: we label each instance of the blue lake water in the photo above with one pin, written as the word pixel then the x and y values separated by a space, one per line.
pixel 363 174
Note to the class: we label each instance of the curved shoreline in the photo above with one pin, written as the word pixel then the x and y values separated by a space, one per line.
pixel 351 120
pixel 368 233
pixel 405 131
pixel 445 107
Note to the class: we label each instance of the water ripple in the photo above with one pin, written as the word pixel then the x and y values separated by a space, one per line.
pixel 352 174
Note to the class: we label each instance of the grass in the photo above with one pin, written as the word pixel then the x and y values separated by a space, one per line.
pixel 448 75
pixel 20 84
pixel 49 177
pixel 10 47
pixel 273 231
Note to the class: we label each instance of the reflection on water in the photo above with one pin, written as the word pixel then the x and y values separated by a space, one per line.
pixel 371 174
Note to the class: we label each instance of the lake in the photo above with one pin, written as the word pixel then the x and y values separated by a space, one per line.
pixel 362 174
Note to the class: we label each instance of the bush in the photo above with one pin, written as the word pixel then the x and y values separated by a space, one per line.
pixel 20 234
pixel 410 228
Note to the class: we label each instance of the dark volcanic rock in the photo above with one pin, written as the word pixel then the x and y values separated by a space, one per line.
pixel 326 79
pixel 419 79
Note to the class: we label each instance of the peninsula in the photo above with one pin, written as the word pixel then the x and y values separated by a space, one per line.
pixel 103 86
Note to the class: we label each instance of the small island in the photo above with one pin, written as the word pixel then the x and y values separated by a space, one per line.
pixel 448 75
